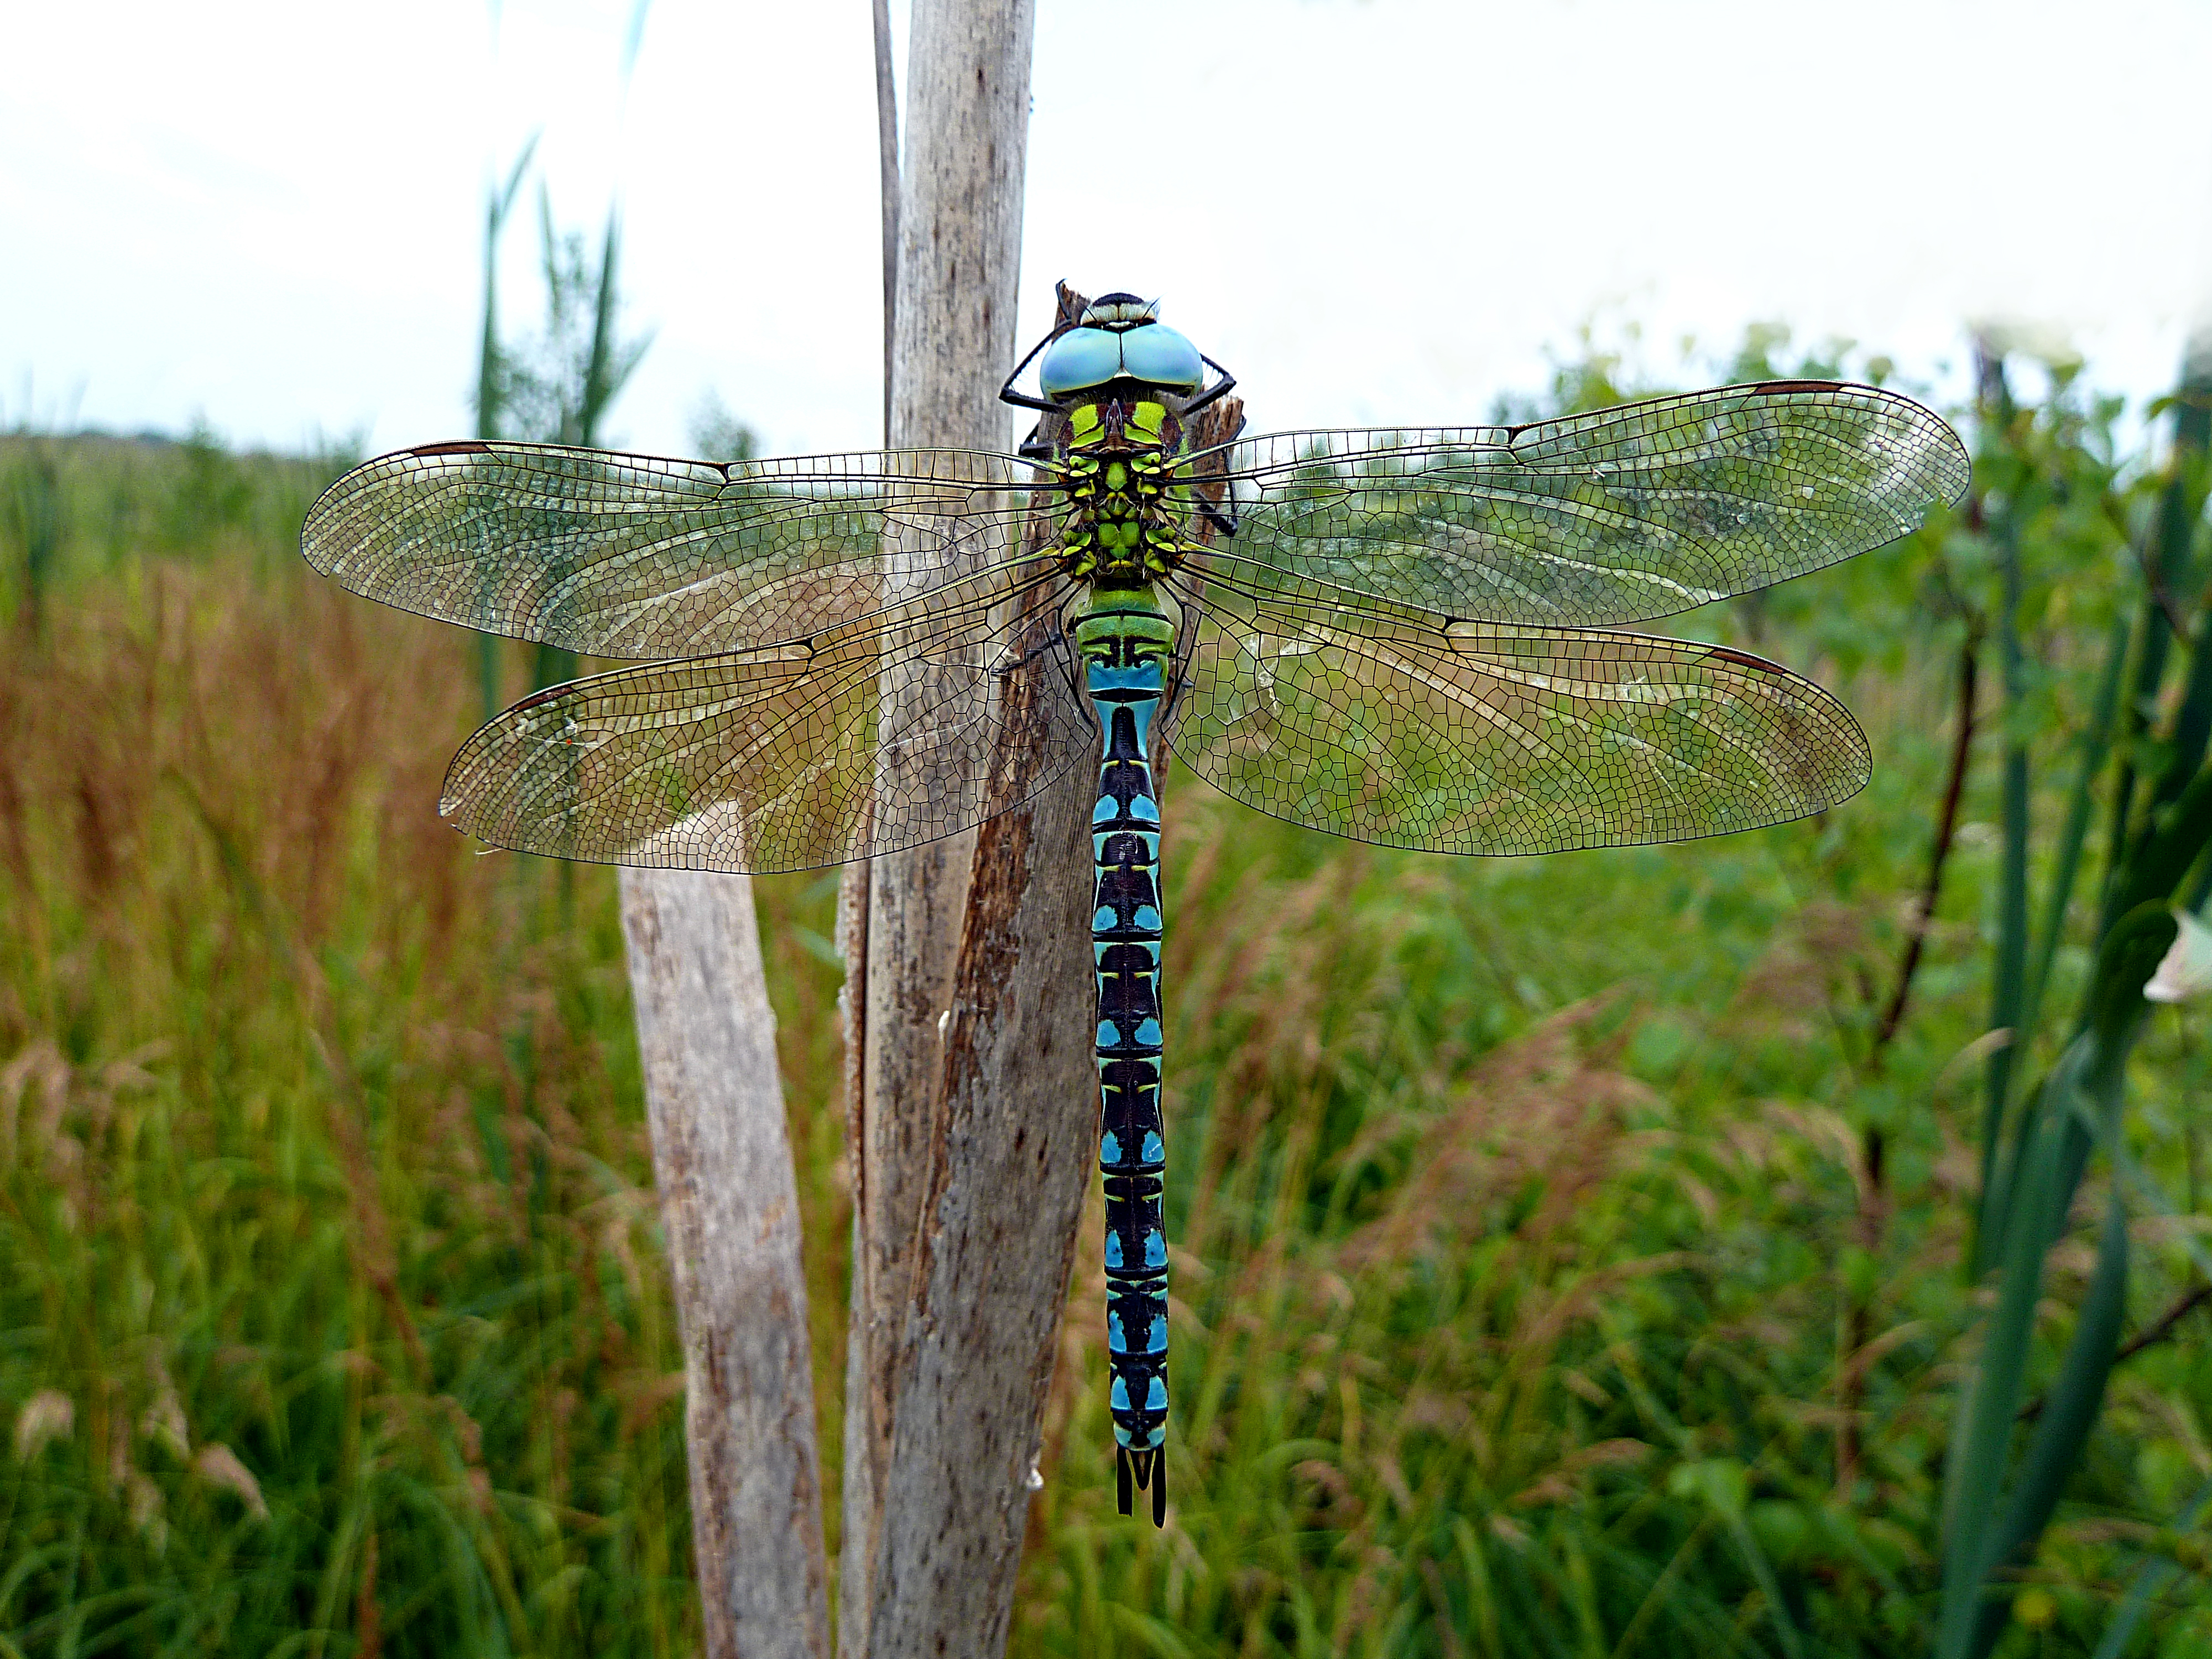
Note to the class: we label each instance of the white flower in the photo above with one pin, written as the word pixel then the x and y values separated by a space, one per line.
pixel 2186 968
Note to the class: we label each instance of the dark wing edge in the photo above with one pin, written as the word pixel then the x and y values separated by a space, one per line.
pixel 1401 730
pixel 776 759
pixel 1619 515
pixel 633 555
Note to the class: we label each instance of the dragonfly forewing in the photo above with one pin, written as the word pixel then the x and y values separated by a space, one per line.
pixel 630 556
pixel 1621 515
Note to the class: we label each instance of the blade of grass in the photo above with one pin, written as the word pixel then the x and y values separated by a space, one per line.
pixel 2171 846
pixel 1975 1475
pixel 2095 749
pixel 2180 508
pixel 2007 991
pixel 2063 1429
pixel 2092 1069
pixel 2117 1009
pixel 2165 569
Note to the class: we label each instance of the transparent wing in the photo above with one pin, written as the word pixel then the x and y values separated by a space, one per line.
pixel 628 556
pixel 883 733
pixel 1621 515
pixel 1385 724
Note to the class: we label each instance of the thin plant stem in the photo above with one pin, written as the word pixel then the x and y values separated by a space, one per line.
pixel 1947 824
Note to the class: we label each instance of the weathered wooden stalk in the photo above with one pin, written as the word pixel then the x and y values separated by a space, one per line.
pixel 975 1127
pixel 729 1205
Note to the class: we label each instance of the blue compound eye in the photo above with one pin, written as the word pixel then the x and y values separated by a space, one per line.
pixel 1157 356
pixel 1078 360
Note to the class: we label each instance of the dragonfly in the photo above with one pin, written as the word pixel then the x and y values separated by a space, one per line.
pixel 1412 637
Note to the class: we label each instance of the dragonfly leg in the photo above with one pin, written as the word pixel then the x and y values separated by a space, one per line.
pixel 1056 640
pixel 1221 388
pixel 1022 399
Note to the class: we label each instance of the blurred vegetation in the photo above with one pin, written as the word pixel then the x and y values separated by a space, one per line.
pixel 1585 1256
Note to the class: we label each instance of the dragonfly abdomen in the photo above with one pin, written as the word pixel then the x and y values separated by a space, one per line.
pixel 1125 640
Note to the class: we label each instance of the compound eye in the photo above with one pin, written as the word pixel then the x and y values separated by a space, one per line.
pixel 1157 356
pixel 1078 360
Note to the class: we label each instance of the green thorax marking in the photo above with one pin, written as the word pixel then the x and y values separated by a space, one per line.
pixel 1123 527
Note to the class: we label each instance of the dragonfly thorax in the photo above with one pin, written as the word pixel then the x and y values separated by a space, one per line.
pixel 1124 526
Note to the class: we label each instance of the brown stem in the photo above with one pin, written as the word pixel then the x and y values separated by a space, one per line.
pixel 2163 597
pixel 1946 826
pixel 2156 1332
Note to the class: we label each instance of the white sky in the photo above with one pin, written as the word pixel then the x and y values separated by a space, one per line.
pixel 270 213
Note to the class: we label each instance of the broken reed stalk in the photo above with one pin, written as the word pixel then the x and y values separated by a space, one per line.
pixel 729 1205
pixel 976 1123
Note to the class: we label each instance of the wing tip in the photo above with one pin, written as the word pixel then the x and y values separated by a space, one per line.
pixel 1949 469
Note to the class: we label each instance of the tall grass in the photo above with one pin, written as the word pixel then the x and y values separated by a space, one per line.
pixel 1518 1204
pixel 345 1316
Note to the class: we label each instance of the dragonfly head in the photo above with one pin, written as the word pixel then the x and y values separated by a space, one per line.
pixel 1121 337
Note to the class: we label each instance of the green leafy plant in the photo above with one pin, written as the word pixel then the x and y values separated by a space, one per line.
pixel 2033 1159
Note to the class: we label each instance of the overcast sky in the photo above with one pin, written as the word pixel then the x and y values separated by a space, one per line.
pixel 269 214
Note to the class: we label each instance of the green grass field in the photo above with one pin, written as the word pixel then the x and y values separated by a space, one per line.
pixel 1532 1285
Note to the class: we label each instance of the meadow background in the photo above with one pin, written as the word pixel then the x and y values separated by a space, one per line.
pixel 1626 1253
pixel 1575 1256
